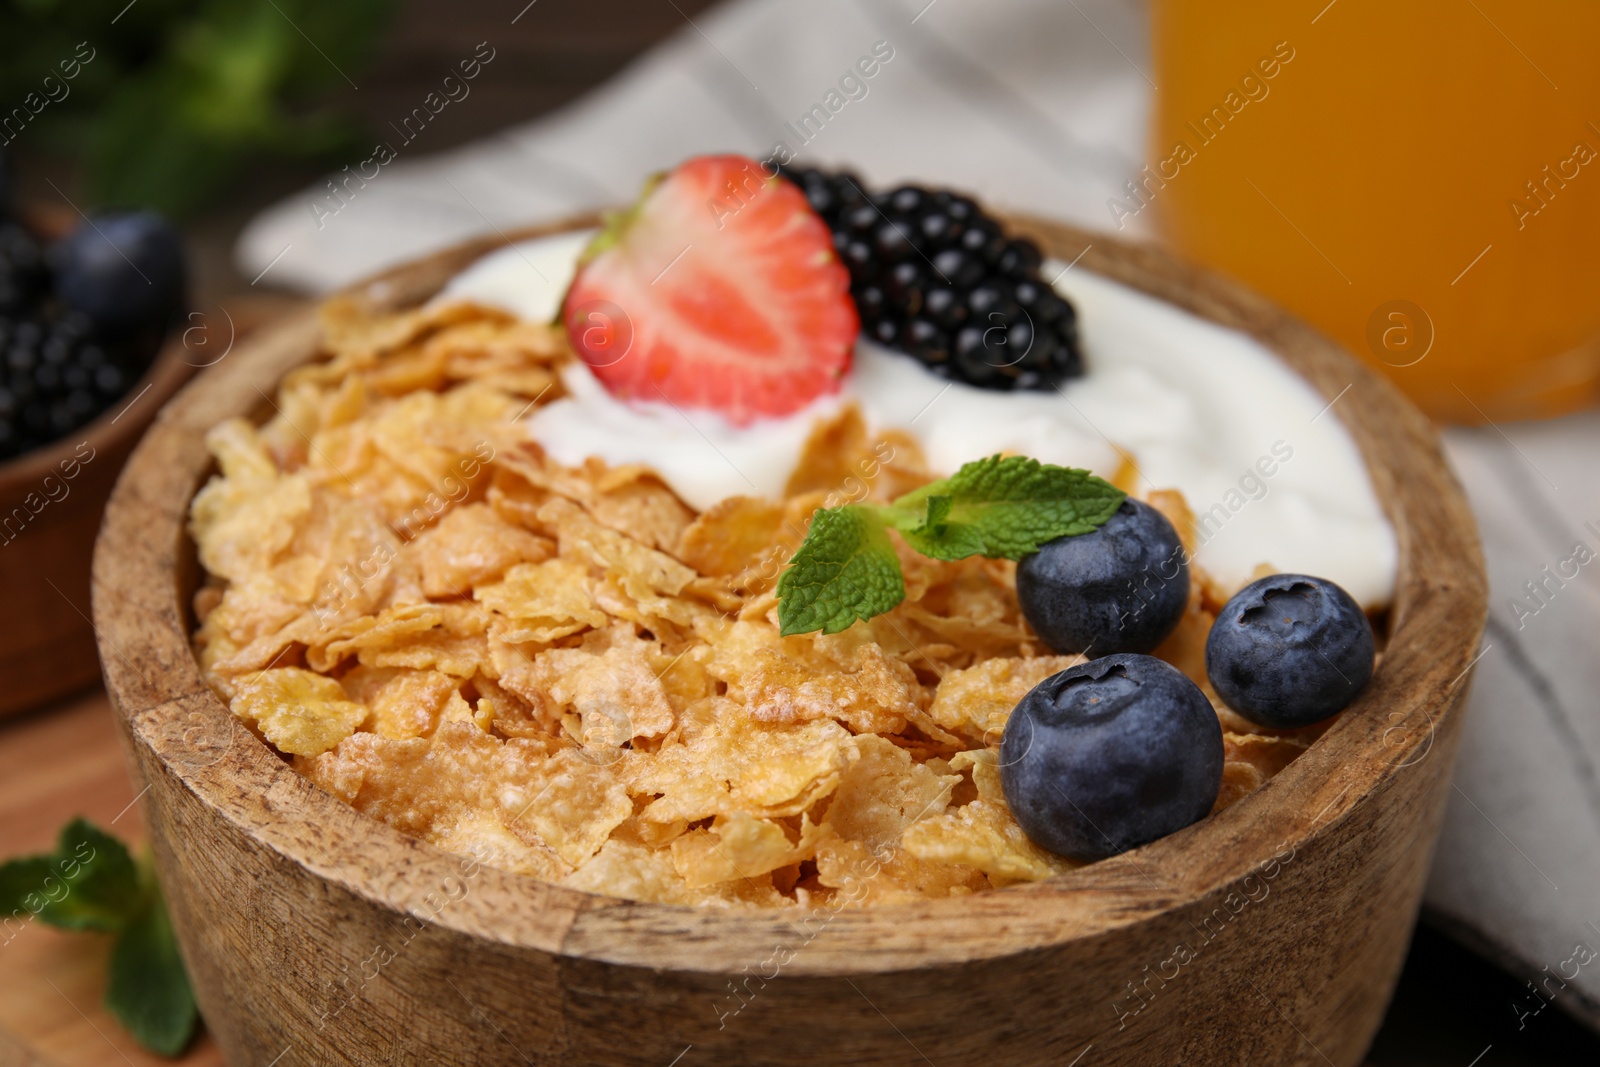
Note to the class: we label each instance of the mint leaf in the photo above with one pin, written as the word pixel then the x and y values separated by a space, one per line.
pixel 24 883
pixel 149 990
pixel 88 883
pixel 935 536
pixel 103 890
pixel 1003 507
pixel 91 883
pixel 844 570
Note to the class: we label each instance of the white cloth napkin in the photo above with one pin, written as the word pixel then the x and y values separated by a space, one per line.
pixel 1043 106
pixel 1024 102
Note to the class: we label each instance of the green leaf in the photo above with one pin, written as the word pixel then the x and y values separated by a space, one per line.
pixel 103 889
pixel 1003 507
pixel 844 570
pixel 23 884
pixel 88 883
pixel 149 990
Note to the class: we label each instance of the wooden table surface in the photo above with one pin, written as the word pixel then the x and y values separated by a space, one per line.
pixel 54 765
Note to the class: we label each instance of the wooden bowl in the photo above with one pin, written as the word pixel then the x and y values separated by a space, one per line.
pixel 51 501
pixel 1269 934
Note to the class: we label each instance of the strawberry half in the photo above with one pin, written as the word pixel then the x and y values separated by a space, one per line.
pixel 719 289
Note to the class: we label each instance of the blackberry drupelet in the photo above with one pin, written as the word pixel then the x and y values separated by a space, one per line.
pixel 936 278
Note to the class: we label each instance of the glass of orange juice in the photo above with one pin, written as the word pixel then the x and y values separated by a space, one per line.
pixel 1418 179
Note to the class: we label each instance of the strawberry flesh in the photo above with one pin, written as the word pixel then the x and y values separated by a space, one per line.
pixel 720 289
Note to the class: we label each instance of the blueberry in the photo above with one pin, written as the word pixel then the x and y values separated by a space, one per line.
pixel 1290 650
pixel 1120 588
pixel 123 270
pixel 1109 755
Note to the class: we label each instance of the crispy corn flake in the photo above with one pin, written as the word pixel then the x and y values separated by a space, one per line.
pixel 643 571
pixel 982 833
pixel 722 542
pixel 831 459
pixel 460 789
pixel 885 792
pixel 1250 759
pixel 724 762
pixel 471 546
pixel 605 691
pixel 890 876
pixel 642 509
pixel 799 679
pixel 737 847
pixel 246 516
pixel 540 602
pixel 403 702
pixel 623 869
pixel 302 713
pixel 976 702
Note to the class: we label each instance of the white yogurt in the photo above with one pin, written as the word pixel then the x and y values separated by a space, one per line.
pixel 1271 473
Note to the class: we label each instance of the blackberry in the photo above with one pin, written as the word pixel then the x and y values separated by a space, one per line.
pixel 81 324
pixel 936 278
pixel 56 375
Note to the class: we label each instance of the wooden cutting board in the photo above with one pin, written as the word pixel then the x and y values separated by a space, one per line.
pixel 55 764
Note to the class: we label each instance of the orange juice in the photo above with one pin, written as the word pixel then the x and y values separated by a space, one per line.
pixel 1418 179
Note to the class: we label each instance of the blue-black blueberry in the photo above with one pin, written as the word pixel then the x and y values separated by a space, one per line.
pixel 1109 755
pixel 124 270
pixel 1120 588
pixel 1289 650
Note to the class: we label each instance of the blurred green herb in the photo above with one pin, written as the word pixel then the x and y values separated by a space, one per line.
pixel 90 882
pixel 172 99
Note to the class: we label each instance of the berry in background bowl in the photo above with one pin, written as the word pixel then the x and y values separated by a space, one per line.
pixel 83 318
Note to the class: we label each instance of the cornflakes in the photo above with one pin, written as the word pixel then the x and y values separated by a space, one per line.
pixel 569 672
pixel 302 713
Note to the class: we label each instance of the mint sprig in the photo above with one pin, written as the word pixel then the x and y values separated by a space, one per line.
pixel 1003 507
pixel 91 883
pixel 844 570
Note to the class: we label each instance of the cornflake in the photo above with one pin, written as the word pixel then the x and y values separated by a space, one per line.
pixel 571 672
